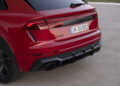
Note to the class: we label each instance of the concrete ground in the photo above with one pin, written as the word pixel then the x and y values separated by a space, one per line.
pixel 102 69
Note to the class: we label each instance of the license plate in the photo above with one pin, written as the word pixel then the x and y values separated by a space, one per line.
pixel 79 28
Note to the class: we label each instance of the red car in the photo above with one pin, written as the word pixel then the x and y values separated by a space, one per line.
pixel 45 34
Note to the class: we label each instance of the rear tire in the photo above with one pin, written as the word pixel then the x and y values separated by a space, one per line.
pixel 8 65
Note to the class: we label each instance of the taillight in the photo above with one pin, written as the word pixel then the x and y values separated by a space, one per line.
pixel 38 31
pixel 94 23
pixel 94 16
pixel 36 25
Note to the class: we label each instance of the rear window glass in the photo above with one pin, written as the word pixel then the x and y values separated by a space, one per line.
pixel 40 5
pixel 3 5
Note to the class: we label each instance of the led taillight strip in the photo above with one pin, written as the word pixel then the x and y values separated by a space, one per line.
pixel 47 25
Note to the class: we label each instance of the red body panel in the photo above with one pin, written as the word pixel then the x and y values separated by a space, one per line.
pixel 50 41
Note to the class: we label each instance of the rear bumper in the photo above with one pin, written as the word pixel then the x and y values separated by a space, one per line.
pixel 30 55
pixel 65 58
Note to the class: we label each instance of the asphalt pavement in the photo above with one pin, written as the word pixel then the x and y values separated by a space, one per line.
pixel 101 69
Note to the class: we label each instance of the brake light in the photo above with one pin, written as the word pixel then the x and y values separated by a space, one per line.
pixel 36 25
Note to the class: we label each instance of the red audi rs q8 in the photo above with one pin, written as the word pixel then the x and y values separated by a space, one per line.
pixel 45 34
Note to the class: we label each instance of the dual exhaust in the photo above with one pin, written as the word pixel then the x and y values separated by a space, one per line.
pixel 61 62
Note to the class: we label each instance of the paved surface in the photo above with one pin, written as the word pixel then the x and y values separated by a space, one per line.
pixel 102 69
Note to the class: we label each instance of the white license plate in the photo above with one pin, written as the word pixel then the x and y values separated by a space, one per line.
pixel 79 28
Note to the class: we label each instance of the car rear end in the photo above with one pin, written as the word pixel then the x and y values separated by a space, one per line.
pixel 63 35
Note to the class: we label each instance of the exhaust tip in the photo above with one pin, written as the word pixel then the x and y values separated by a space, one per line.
pixel 50 66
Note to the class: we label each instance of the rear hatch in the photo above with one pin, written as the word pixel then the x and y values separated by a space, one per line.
pixel 61 20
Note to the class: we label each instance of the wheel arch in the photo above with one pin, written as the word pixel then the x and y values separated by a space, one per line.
pixel 5 43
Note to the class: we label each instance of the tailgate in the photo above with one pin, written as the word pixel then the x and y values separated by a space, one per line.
pixel 65 23
pixel 61 21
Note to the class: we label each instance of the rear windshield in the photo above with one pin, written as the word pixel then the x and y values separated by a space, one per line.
pixel 3 5
pixel 40 5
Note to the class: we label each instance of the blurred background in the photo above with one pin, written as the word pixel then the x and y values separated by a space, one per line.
pixel 103 0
